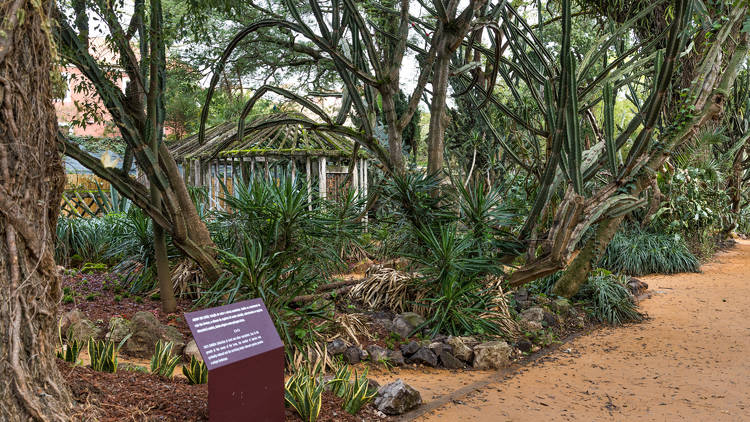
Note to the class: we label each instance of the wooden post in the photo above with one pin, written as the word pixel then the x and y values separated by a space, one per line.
pixel 322 176
pixel 294 170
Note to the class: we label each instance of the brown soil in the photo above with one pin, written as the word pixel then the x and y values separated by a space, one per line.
pixel 100 288
pixel 687 362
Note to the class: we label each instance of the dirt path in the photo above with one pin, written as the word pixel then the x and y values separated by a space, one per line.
pixel 690 361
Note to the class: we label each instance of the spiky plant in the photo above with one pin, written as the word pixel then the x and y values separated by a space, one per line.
pixel 609 299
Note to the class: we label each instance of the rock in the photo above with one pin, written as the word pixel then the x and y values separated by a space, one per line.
pixel 440 337
pixel 174 335
pixel 425 357
pixel 535 314
pixel 191 351
pixel 636 286
pixel 449 361
pixel 438 347
pixel 397 398
pixel 147 330
pixel 492 355
pixel 521 295
pixel 410 348
pixel 117 329
pixel 336 347
pixel 372 385
pixel 377 353
pixel 396 358
pixel 530 326
pixel 83 330
pixel 460 349
pixel 562 307
pixel 351 355
pixel 550 319
pixel 524 345
pixel 398 264
pixel 404 324
pixel 69 319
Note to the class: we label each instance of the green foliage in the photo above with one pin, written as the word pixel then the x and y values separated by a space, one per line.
pixel 609 298
pixel 340 381
pixel 357 393
pixel 70 349
pixel 303 392
pixel 162 362
pixel 103 354
pixel 196 372
pixel 91 268
pixel 638 252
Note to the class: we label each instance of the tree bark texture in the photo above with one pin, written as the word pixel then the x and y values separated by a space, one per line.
pixel 31 184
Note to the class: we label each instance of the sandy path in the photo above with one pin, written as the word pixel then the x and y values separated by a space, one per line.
pixel 690 361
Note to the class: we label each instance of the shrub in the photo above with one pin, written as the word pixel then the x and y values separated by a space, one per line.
pixel 638 252
pixel 162 362
pixel 196 372
pixel 609 298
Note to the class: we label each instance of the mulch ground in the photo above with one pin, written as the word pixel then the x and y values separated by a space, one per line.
pixel 138 396
pixel 97 296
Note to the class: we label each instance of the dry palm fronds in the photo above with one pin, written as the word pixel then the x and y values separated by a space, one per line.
pixel 187 276
pixel 315 355
pixel 351 326
pixel 500 310
pixel 384 288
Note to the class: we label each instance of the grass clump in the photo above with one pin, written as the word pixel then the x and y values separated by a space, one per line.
pixel 637 252
pixel 609 299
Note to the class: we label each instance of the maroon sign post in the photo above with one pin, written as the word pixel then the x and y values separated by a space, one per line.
pixel 245 360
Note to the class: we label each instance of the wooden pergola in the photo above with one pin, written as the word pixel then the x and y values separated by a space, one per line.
pixel 271 146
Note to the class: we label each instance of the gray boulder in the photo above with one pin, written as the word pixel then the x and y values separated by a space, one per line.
pixel 404 324
pixel 377 353
pixel 396 358
pixel 83 330
pixel 424 356
pixel 69 319
pixel 174 335
pixel 492 355
pixel 410 348
pixel 147 330
pixel 352 356
pixel 449 361
pixel 460 349
pixel 117 329
pixel 535 314
pixel 336 347
pixel 397 398
pixel 191 351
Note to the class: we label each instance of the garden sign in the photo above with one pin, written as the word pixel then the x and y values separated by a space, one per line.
pixel 245 360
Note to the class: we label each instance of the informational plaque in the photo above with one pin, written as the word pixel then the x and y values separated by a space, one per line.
pixel 245 359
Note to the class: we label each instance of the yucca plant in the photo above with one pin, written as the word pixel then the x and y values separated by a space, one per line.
pixel 103 354
pixel 357 393
pixel 70 349
pixel 196 372
pixel 340 380
pixel 162 362
pixel 303 392
pixel 609 298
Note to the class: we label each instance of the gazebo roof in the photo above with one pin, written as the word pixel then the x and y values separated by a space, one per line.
pixel 277 134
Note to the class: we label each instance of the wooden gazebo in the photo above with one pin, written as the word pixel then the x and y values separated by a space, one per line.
pixel 272 145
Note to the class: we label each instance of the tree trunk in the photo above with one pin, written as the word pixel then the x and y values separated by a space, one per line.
pixel 436 133
pixel 31 184
pixel 575 275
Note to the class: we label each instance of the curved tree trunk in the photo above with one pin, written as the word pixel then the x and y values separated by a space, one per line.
pixel 31 184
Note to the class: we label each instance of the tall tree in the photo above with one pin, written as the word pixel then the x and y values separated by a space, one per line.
pixel 138 113
pixel 31 183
